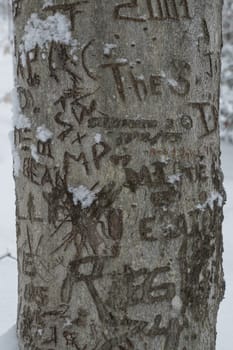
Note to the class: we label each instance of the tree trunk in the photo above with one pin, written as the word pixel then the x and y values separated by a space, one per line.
pixel 118 184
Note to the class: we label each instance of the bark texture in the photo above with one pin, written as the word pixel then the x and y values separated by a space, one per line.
pixel 118 184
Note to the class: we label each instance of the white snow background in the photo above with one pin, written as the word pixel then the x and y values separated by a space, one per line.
pixel 8 269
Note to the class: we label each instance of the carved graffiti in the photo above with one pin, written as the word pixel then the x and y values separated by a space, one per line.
pixel 208 115
pixel 128 289
pixel 30 210
pixel 202 265
pixel 99 151
pixel 162 227
pixel 16 7
pixel 145 176
pixel 23 138
pixel 157 10
pixel 51 336
pixel 33 79
pixel 79 113
pixel 36 294
pixel 179 83
pixel 26 100
pixel 30 168
pixel 89 71
pixel 116 72
pixel 110 123
pixel 44 148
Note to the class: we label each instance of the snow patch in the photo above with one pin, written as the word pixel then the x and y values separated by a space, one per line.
pixel 19 119
pixel 141 77
pixel 40 332
pixel 47 3
pixel 172 82
pixel 67 323
pixel 34 153
pixel 16 162
pixel 122 60
pixel 214 196
pixel 98 138
pixel 177 303
pixel 164 159
pixel 83 195
pixel 201 277
pixel 43 134
pixel 108 49
pixel 174 178
pixel 39 32
pixel 15 155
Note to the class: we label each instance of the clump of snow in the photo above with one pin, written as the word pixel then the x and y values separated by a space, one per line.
pixel 142 18
pixel 177 303
pixel 15 155
pixel 214 196
pixel 43 134
pixel 83 195
pixel 201 277
pixel 141 77
pixel 67 323
pixel 8 341
pixel 31 55
pixel 16 162
pixel 98 138
pixel 172 82
pixel 47 3
pixel 174 178
pixel 122 60
pixel 19 119
pixel 40 332
pixel 164 159
pixel 108 49
pixel 39 32
pixel 34 153
pixel 21 122
pixel 75 57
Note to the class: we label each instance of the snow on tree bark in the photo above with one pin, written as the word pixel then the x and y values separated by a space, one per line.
pixel 118 186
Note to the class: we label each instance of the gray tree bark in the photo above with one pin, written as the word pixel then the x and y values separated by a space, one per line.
pixel 118 184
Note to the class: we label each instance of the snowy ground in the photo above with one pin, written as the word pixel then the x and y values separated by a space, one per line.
pixel 8 272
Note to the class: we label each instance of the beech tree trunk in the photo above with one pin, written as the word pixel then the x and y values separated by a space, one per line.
pixel 118 183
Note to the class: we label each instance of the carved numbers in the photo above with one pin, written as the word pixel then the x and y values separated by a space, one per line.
pixel 157 10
